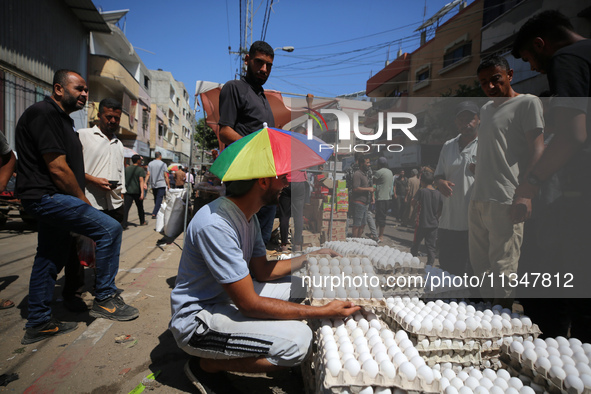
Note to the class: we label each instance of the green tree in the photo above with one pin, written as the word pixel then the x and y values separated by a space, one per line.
pixel 205 136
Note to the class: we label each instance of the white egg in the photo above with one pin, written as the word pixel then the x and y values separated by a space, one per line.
pixel 543 363
pixel 417 361
pixel 330 345
pixel 586 378
pixel 504 374
pixel 363 324
pixel 379 347
pixel 366 390
pixel 346 347
pixel 334 366
pixel 574 383
pixel 372 332
pixel 567 360
pixel 405 344
pixel 425 373
pixel 463 375
pixel 512 390
pixel 496 390
pixel 399 359
pixel 408 370
pixel 352 366
pixel 489 373
pixel 584 369
pixel 486 382
pixel 443 383
pixel 375 323
pixel 347 356
pixel 381 356
pixel 388 369
pixel 363 357
pixel 448 373
pixel 382 390
pixel 371 367
pixel 465 390
pixel 551 342
pixel 526 390
pixel 557 372
pixel 471 382
pixel 502 383
pixel 515 383
pixel 460 326
pixel 565 350
pixel 411 352
pixel 451 390
pixel 481 390
pixel 571 370
pixel 530 355
pixel 457 383
pixel 541 352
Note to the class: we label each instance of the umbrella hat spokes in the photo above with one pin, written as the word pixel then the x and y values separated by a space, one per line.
pixel 268 152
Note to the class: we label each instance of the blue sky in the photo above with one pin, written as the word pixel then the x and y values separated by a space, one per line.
pixel 338 44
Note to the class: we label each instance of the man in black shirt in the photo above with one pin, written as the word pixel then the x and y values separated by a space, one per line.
pixel 548 42
pixel 51 186
pixel 244 108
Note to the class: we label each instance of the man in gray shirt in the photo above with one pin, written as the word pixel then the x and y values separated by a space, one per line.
pixel 158 179
pixel 510 143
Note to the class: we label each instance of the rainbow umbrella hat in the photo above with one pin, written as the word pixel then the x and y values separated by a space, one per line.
pixel 269 152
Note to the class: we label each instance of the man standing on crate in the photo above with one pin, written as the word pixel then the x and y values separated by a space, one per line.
pixel 51 187
pixel 244 108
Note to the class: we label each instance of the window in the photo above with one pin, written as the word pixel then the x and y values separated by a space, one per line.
pixel 146 82
pixel 172 95
pixel 423 75
pixel 457 54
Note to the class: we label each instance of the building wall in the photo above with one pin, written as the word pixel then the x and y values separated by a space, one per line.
pixel 31 50
pixel 461 29
pixel 172 98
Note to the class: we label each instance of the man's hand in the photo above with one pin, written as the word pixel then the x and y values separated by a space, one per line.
pixel 445 187
pixel 520 210
pixel 338 308
pixel 331 252
pixel 102 183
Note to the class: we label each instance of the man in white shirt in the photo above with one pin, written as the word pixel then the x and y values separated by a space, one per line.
pixel 105 183
pixel 454 178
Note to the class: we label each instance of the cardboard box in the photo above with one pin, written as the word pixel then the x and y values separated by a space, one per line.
pixel 343 207
pixel 327 198
pixel 342 191
pixel 341 199
pixel 341 184
pixel 326 207
pixel 328 183
pixel 335 215
pixel 335 224
pixel 310 238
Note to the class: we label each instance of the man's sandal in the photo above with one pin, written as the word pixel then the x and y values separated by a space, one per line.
pixel 5 304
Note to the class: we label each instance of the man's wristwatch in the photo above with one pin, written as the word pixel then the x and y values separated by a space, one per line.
pixel 532 179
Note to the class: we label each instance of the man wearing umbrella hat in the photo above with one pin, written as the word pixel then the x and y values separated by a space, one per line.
pixel 230 306
pixel 244 108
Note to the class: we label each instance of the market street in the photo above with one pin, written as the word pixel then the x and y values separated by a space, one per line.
pixel 89 359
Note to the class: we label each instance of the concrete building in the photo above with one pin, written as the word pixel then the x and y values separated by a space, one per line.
pixel 171 97
pixel 38 38
pixel 116 70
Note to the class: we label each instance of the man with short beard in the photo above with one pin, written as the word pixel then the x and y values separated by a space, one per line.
pixel 51 186
pixel 244 109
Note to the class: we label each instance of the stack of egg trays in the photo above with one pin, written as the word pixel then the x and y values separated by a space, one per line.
pixel 401 270
pixel 364 302
pixel 326 383
pixel 478 335
pixel 459 353
pixel 518 365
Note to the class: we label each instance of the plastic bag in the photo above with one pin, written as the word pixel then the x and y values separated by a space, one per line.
pixel 160 217
pixel 175 213
pixel 86 251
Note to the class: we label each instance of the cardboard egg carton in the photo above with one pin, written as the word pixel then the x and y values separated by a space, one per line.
pixel 363 302
pixel 538 375
pixel 478 334
pixel 344 379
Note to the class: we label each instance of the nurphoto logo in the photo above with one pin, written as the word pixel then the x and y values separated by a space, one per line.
pixel 392 123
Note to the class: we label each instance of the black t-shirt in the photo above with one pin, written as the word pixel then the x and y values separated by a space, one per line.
pixel 569 75
pixel 244 107
pixel 45 128
pixel 431 201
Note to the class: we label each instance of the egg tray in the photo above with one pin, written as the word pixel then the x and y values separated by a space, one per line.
pixel 518 370
pixel 526 367
pixel 478 334
pixel 465 354
pixel 400 270
pixel 344 378
pixel 443 294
